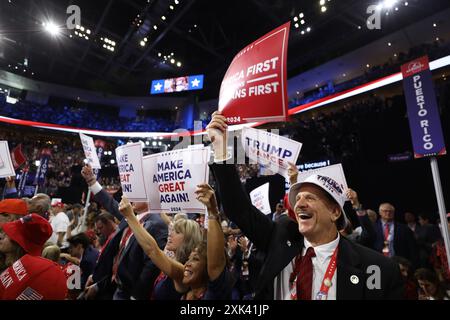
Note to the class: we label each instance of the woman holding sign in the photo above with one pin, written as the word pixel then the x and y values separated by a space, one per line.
pixel 204 276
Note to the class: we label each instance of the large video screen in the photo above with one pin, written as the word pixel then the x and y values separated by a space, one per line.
pixel 179 84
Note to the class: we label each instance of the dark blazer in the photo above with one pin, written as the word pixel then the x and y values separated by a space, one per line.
pixel 87 264
pixel 404 242
pixel 281 241
pixel 136 271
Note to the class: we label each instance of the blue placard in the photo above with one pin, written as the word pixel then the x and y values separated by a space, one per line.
pixel 423 112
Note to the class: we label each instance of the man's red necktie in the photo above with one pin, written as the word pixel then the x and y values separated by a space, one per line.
pixel 305 277
pixel 386 231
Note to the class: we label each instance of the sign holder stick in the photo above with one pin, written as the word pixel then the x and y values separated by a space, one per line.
pixel 441 205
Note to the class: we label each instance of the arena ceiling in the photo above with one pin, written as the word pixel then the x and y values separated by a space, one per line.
pixel 201 36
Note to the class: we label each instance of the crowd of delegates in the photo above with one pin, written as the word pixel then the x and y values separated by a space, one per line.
pixel 121 252
pixel 65 154
pixel 83 117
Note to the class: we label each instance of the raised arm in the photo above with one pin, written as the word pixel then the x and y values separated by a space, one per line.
pixel 172 268
pixel 292 173
pixel 235 201
pixel 368 234
pixel 216 239
pixel 100 195
pixel 167 220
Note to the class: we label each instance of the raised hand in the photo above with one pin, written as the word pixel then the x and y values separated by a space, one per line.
pixel 353 197
pixel 292 173
pixel 88 174
pixel 217 133
pixel 205 194
pixel 125 207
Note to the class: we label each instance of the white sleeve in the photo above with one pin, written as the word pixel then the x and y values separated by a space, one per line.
pixel 95 188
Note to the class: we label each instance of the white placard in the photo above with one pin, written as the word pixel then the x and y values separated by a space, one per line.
pixel 90 151
pixel 131 172
pixel 336 172
pixel 172 178
pixel 6 164
pixel 260 198
pixel 270 150
pixel 55 201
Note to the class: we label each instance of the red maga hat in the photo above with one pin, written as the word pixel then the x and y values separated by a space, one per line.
pixel 30 232
pixel 14 206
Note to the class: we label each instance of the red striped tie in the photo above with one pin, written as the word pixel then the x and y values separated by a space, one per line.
pixel 305 277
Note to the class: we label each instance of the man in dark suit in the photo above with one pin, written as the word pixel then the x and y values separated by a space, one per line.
pixel 394 238
pixel 306 258
pixel 123 270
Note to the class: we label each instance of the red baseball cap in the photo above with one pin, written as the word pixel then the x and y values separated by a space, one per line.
pixel 33 278
pixel 14 206
pixel 30 232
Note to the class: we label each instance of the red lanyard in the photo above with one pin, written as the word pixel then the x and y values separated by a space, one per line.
pixel 326 282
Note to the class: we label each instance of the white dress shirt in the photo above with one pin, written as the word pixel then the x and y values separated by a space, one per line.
pixel 320 264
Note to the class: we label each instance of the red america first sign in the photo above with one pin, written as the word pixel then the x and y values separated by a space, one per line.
pixel 254 86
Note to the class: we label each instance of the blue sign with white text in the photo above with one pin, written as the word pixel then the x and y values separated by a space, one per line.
pixel 423 112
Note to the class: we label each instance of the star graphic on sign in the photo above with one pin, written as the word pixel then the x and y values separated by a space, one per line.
pixel 158 86
pixel 195 82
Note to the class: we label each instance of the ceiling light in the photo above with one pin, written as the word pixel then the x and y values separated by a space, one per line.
pixel 434 25
pixel 389 44
pixel 171 7
pixel 163 18
pixel 296 25
pixel 178 64
pixel 389 3
pixel 301 15
pixel 52 28
pixel 302 21
pixel 308 29
pixel 322 2
pixel 142 43
pixel 172 60
pixel 295 19
pixel 155 27
pixel 323 9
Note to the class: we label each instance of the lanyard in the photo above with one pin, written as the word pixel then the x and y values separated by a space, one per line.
pixel 326 282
